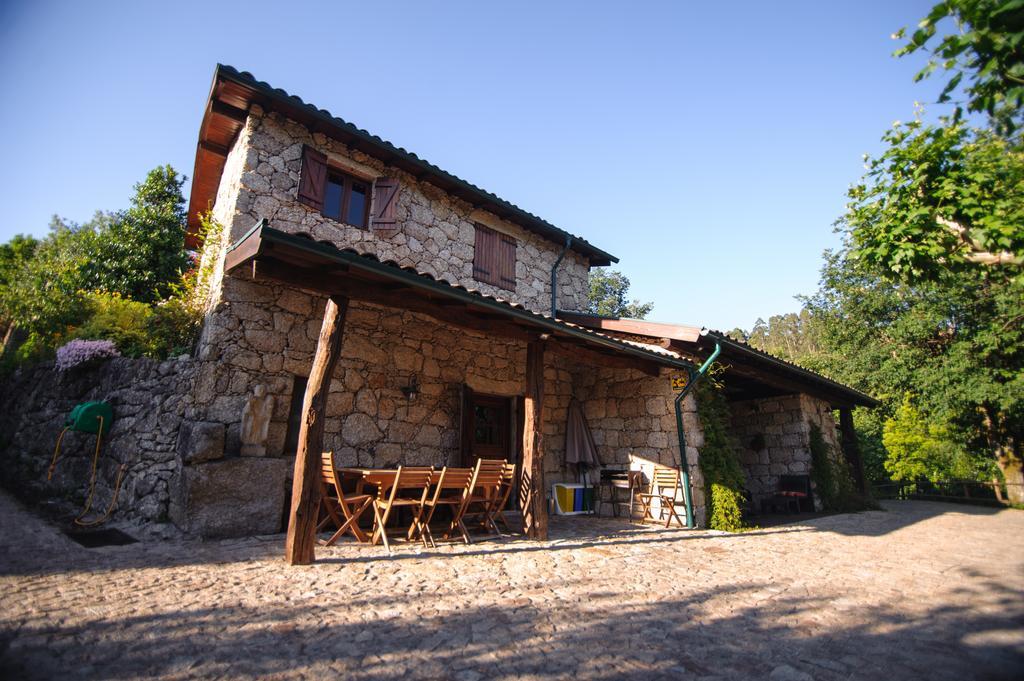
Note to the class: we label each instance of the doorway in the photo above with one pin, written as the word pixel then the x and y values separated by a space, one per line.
pixel 491 429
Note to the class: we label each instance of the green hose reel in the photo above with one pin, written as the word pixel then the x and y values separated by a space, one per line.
pixel 95 418
pixel 90 417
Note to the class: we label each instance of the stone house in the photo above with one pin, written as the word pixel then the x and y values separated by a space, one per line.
pixel 454 296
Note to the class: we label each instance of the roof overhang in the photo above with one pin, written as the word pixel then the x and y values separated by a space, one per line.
pixel 269 254
pixel 232 94
pixel 749 372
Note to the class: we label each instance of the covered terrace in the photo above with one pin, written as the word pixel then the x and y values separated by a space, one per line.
pixel 269 255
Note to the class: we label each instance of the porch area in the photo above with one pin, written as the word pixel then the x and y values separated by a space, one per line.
pixel 412 371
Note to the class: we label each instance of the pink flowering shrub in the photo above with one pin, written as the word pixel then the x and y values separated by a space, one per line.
pixel 78 352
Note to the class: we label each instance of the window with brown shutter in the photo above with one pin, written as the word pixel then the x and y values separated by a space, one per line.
pixel 343 197
pixel 494 258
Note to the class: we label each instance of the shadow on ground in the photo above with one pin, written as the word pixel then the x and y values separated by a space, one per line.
pixel 644 639
pixel 567 534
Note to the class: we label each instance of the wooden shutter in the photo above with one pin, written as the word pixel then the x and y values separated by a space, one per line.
pixel 485 250
pixel 494 258
pixel 507 262
pixel 313 180
pixel 385 199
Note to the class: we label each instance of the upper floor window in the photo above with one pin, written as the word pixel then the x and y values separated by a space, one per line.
pixel 494 258
pixel 346 199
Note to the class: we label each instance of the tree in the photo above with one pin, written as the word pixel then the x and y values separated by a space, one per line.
pixel 940 199
pixel 987 47
pixel 140 253
pixel 927 295
pixel 919 449
pixel 955 342
pixel 608 297
pixel 137 254
pixel 948 196
pixel 13 256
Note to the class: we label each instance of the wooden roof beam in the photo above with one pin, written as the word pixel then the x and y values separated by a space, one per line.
pixel 583 354
pixel 228 111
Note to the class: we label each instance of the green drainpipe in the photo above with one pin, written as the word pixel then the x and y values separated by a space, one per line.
pixel 694 376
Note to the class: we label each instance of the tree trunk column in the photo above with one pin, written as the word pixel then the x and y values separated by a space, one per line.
pixel 301 538
pixel 851 450
pixel 535 512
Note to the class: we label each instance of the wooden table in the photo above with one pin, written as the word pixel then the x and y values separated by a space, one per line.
pixel 381 478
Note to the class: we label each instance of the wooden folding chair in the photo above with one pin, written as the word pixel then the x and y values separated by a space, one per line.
pixel 486 486
pixel 333 499
pixel 497 508
pixel 666 484
pixel 451 487
pixel 414 480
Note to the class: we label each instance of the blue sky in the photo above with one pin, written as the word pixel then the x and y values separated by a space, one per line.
pixel 708 145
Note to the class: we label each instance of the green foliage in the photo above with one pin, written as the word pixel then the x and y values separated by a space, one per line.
pixel 831 475
pixel 921 450
pixel 987 46
pixel 117 276
pixel 790 336
pixel 609 291
pixel 140 253
pixel 43 295
pixel 719 462
pixel 956 343
pixel 125 322
pixel 940 200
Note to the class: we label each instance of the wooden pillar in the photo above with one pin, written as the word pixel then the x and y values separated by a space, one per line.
pixel 301 538
pixel 535 511
pixel 851 449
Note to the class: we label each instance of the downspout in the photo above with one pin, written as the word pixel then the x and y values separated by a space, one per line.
pixel 684 464
pixel 554 276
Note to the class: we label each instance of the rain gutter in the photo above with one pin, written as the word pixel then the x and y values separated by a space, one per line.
pixel 554 276
pixel 693 375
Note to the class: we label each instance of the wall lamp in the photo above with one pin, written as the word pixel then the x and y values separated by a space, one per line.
pixel 412 390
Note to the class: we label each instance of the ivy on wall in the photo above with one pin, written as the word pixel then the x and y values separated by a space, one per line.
pixel 831 475
pixel 719 462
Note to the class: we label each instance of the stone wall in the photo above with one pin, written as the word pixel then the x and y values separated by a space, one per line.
pixel 150 400
pixel 436 233
pixel 773 439
pixel 632 417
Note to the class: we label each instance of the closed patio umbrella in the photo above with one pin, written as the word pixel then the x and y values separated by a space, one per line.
pixel 580 451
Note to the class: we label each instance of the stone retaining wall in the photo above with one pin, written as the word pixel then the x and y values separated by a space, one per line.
pixel 150 400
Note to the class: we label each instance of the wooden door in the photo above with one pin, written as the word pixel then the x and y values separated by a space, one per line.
pixel 490 436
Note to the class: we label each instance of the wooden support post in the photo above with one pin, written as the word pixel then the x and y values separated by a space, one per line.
pixel 301 537
pixel 851 449
pixel 535 511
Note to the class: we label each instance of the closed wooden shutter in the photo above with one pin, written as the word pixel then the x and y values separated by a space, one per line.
pixel 313 180
pixel 507 262
pixel 484 251
pixel 385 199
pixel 494 258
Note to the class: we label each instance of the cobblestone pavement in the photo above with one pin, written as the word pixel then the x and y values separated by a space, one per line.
pixel 924 590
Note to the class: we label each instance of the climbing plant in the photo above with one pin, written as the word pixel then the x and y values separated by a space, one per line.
pixel 723 476
pixel 832 479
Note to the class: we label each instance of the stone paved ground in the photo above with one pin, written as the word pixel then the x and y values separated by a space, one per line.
pixel 924 590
